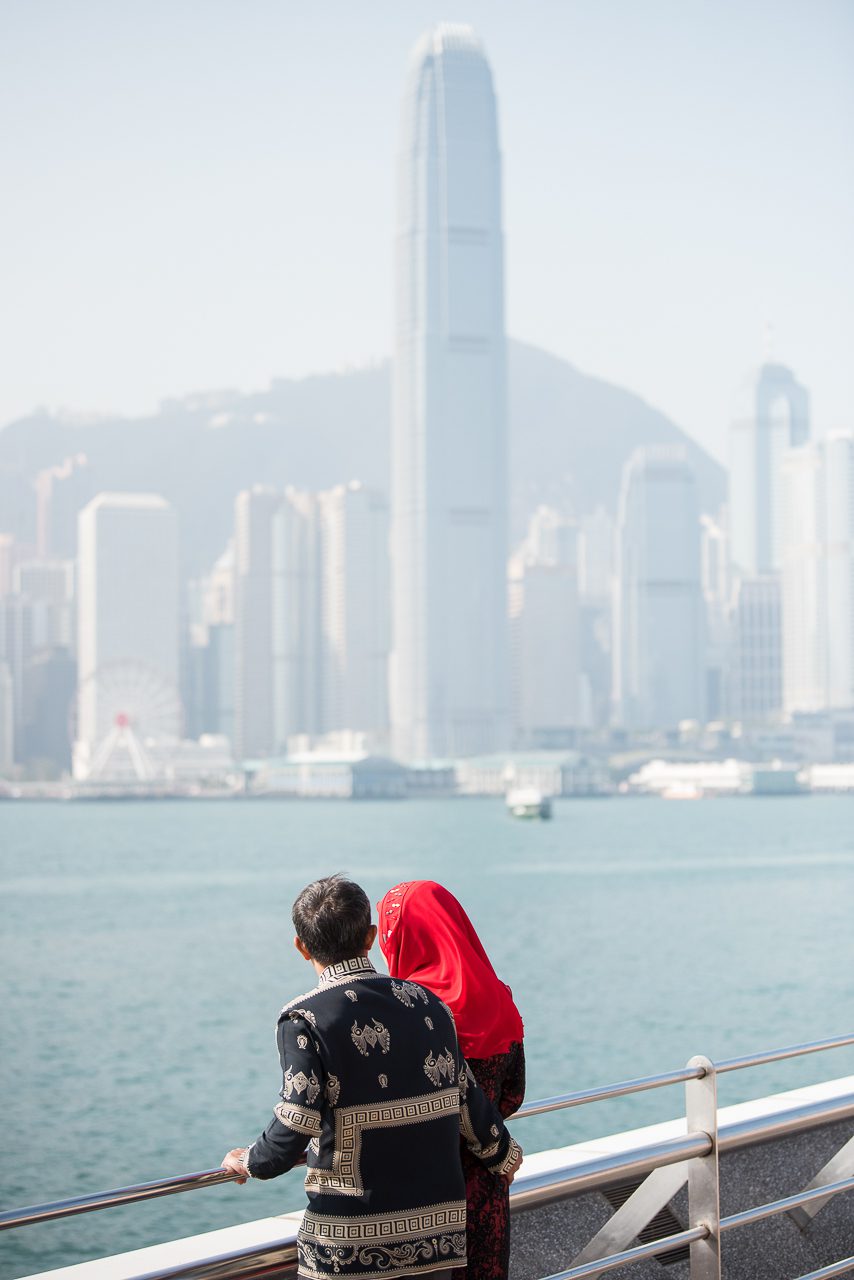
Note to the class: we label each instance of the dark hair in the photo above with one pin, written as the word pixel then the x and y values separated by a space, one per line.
pixel 332 917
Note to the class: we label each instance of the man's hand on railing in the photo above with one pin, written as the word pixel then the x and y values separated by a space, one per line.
pixel 233 1162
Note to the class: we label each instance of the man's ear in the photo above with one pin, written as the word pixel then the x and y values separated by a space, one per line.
pixel 370 937
pixel 302 949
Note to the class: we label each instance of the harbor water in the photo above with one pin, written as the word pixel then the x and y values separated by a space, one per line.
pixel 147 949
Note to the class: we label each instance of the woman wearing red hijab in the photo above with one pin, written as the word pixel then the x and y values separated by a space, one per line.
pixel 426 937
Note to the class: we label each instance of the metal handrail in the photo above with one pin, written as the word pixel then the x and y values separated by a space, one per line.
pixel 637 1254
pixel 112 1199
pixel 600 1171
pixel 582 1096
pixel 762 1211
pixel 777 1055
pixel 740 1133
pixel 557 1184
pixel 281 1254
pixel 33 1214
pixel 842 1268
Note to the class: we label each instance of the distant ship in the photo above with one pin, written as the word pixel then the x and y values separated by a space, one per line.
pixel 527 802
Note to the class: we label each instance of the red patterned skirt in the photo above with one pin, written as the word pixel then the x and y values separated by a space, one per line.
pixel 502 1079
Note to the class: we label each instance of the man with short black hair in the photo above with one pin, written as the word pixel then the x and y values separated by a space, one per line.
pixel 375 1086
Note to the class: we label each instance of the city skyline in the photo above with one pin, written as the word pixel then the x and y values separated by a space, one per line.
pixel 669 240
pixel 618 594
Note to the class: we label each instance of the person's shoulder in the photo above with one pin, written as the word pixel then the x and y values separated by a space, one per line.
pixel 301 1006
pixel 332 992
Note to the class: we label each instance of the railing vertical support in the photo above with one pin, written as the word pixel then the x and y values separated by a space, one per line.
pixel 704 1210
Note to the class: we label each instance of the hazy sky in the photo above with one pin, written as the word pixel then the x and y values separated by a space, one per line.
pixel 200 193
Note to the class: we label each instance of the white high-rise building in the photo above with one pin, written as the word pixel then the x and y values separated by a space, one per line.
pixel 818 576
pixel 545 632
pixel 296 618
pixel 277 602
pixel 127 617
pixel 659 643
pixel 715 577
pixel 755 693
pixel 449 665
pixel 7 719
pixel 355 608
pixel 254 511
pixel 838 450
pixel 596 558
pixel 771 416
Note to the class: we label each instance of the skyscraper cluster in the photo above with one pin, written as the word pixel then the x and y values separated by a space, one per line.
pixel 310 617
pixel 412 623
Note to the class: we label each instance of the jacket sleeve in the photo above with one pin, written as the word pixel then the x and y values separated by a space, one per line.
pixel 481 1125
pixel 297 1117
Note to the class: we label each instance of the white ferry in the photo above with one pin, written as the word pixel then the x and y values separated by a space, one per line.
pixel 527 802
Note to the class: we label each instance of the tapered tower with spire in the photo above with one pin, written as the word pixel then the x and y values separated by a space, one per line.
pixel 449 667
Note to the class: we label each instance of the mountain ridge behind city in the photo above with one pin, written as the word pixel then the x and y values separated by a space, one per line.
pixel 569 436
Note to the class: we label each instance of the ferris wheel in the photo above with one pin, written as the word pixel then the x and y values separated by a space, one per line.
pixel 122 711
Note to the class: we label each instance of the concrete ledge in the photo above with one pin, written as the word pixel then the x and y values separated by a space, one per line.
pixel 547 1240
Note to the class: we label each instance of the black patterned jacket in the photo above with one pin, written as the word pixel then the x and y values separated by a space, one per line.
pixel 376 1088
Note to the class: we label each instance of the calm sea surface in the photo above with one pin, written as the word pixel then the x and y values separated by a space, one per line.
pixel 146 951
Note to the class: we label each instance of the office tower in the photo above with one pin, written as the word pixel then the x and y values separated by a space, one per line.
pixel 449 665
pixel 49 586
pixel 218 677
pixel 7 720
pixel 715 578
pixel 254 511
pixel 818 576
pixel 61 494
pixel 771 416
pixel 838 452
pixel 127 620
pixel 296 618
pixel 355 608
pixel 210 657
pixel 658 625
pixel 596 558
pixel 545 635
pixel 217 590
pixel 8 560
pixel 17 626
pixel 50 681
pixel 756 672
pixel 595 593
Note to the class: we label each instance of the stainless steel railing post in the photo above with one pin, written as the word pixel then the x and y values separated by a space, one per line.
pixel 704 1210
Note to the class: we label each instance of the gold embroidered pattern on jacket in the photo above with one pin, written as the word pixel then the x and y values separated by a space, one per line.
pixel 300 1083
pixel 441 1068
pixel 345 1176
pixel 298 1118
pixel 370 1036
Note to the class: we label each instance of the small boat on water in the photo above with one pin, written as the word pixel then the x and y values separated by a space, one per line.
pixel 527 802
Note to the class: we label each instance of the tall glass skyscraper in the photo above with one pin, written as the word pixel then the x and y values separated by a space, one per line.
pixel 659 647
pixel 771 416
pixel 449 665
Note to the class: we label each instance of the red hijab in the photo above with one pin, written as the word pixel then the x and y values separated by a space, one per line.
pixel 426 937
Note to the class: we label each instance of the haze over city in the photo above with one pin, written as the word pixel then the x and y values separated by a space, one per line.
pixel 210 203
pixel 474 546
